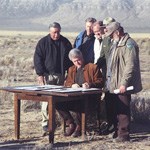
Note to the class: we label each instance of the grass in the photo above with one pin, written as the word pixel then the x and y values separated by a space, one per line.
pixel 67 34
pixel 17 50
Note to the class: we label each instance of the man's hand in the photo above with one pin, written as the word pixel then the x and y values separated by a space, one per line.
pixel 75 85
pixel 86 85
pixel 122 89
pixel 41 80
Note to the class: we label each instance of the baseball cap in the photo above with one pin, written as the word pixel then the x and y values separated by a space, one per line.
pixel 113 26
pixel 108 20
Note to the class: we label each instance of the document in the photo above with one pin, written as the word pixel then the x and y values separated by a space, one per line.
pixel 117 91
pixel 67 90
pixel 38 87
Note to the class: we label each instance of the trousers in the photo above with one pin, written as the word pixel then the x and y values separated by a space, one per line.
pixel 118 112
pixel 56 79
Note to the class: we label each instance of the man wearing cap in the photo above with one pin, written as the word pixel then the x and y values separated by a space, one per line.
pixel 85 41
pixel 51 62
pixel 123 70
pixel 106 42
pixel 101 57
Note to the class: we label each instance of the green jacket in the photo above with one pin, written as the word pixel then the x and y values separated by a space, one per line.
pixel 125 66
pixel 103 59
pixel 104 52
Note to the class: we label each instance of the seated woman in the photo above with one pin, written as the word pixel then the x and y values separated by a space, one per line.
pixel 79 75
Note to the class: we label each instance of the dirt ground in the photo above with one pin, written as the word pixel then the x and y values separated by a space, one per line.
pixel 31 135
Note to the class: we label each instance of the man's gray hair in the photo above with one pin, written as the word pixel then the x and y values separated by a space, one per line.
pixel 55 25
pixel 75 53
pixel 90 19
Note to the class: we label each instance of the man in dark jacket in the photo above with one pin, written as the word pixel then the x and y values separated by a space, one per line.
pixel 51 62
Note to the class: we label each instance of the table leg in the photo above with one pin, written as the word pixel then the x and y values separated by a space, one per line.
pixel 84 118
pixel 51 123
pixel 17 116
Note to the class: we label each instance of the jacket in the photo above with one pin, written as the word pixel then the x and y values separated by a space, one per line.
pixel 86 48
pixel 103 60
pixel 91 74
pixel 125 67
pixel 45 56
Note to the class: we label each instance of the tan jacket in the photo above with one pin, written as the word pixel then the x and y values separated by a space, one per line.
pixel 125 66
pixel 91 73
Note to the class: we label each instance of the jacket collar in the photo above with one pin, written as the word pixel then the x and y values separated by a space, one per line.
pixel 123 40
pixel 75 68
pixel 50 39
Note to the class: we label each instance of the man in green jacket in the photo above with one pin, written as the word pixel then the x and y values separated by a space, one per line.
pixel 123 71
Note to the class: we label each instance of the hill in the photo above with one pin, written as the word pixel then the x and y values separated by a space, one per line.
pixel 37 14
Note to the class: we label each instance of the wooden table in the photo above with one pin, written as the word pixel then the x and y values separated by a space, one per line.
pixel 51 98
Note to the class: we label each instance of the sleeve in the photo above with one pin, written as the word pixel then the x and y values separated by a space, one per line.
pixel 97 78
pixel 70 78
pixel 74 44
pixel 101 62
pixel 67 62
pixel 131 59
pixel 39 59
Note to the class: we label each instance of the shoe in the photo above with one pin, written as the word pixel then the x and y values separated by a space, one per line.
pixel 106 128
pixel 45 128
pixel 76 133
pixel 122 139
pixel 115 135
pixel 70 130
pixel 45 131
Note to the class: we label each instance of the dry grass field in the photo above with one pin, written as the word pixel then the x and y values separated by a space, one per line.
pixel 16 68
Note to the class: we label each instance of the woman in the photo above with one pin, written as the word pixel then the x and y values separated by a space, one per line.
pixel 79 75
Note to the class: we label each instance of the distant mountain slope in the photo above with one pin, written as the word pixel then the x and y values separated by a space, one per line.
pixel 37 14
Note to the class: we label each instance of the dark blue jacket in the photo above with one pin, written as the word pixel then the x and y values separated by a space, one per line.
pixel 87 48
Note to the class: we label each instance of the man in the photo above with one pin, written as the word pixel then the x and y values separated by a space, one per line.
pixel 85 41
pixel 102 60
pixel 98 30
pixel 79 75
pixel 51 62
pixel 123 70
pixel 102 45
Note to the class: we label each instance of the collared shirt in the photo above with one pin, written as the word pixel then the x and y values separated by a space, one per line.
pixel 97 49
pixel 79 79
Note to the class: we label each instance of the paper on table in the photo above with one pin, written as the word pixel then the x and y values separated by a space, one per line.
pixel 128 89
pixel 38 87
pixel 67 90
pixel 90 89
